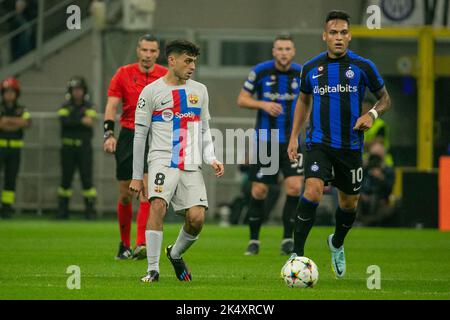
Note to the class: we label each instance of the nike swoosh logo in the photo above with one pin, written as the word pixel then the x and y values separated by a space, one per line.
pixel 202 199
pixel 270 83
pixel 300 218
pixel 163 103
pixel 356 189
pixel 337 268
pixel 317 75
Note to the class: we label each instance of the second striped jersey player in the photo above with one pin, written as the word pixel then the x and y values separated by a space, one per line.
pixel 275 85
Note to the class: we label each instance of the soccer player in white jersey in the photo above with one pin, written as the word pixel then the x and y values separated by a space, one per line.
pixel 175 110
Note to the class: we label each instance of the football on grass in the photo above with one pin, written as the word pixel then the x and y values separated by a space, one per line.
pixel 300 272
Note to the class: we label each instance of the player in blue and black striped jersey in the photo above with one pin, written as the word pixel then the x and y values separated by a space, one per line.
pixel 276 84
pixel 332 90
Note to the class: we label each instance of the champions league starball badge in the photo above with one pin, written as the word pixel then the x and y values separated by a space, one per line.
pixel 141 103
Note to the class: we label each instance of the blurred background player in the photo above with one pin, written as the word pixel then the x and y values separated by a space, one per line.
pixel 276 84
pixel 175 109
pixel 125 87
pixel 77 117
pixel 332 86
pixel 14 118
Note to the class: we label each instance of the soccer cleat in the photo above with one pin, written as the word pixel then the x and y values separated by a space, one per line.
pixel 151 276
pixel 140 253
pixel 181 269
pixel 287 246
pixel 124 252
pixel 337 259
pixel 253 248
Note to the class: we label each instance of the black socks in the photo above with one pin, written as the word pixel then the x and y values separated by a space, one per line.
pixel 304 220
pixel 289 215
pixel 255 217
pixel 344 222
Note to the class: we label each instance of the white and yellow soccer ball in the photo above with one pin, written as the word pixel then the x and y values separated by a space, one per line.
pixel 300 272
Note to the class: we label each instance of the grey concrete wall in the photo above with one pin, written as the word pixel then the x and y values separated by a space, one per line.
pixel 254 14
pixel 44 89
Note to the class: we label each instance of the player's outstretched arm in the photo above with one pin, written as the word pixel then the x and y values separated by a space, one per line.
pixel 302 110
pixel 383 104
pixel 109 144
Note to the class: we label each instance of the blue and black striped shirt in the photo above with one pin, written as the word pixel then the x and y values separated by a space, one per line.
pixel 272 85
pixel 338 87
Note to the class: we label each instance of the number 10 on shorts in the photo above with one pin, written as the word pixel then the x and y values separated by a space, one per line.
pixel 357 175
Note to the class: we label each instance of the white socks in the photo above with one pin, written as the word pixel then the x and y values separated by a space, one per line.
pixel 153 241
pixel 184 241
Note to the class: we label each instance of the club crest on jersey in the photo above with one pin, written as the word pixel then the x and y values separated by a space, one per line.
pixel 350 74
pixel 294 85
pixel 320 68
pixel 167 115
pixel 141 103
pixel 193 98
pixel 315 167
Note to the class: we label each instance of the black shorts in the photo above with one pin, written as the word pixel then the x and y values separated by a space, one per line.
pixel 287 167
pixel 343 168
pixel 124 155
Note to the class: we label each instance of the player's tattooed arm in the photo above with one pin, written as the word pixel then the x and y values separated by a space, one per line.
pixel 366 121
pixel 384 101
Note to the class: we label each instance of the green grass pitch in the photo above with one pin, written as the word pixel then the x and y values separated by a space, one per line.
pixel 34 256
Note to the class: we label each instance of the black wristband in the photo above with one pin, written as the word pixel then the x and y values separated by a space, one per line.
pixel 108 125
